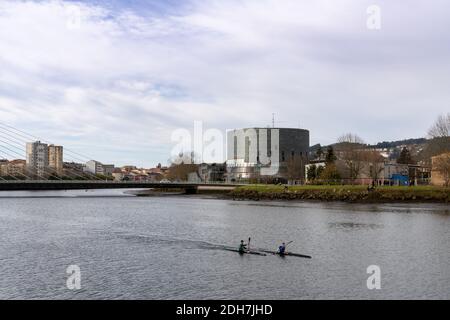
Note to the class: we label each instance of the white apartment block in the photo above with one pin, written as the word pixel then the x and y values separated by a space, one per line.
pixel 37 157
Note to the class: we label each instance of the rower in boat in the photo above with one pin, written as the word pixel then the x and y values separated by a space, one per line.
pixel 282 249
pixel 242 247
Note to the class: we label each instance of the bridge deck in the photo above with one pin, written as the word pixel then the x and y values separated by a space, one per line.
pixel 79 185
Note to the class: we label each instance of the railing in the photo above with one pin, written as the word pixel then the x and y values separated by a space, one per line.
pixel 115 182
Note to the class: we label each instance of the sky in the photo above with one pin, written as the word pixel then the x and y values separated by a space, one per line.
pixel 113 80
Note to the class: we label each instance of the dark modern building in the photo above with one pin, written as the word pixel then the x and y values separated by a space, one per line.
pixel 267 153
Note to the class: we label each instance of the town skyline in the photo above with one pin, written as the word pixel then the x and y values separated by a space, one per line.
pixel 75 154
pixel 252 155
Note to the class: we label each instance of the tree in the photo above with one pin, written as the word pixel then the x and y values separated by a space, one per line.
pixel 330 173
pixel 295 168
pixel 442 165
pixel 441 127
pixel 312 172
pixel 183 158
pixel 319 152
pixel 439 138
pixel 181 166
pixel 319 171
pixel 350 138
pixel 180 172
pixel 330 157
pixel 376 164
pixel 352 152
pixel 405 157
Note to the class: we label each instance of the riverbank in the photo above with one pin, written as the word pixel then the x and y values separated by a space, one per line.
pixel 342 193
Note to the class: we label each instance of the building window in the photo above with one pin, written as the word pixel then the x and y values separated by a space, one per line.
pixel 282 156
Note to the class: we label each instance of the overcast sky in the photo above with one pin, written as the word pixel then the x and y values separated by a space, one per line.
pixel 115 85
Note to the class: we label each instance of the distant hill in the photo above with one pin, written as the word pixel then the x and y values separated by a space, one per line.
pixel 384 144
pixel 415 146
pixel 393 144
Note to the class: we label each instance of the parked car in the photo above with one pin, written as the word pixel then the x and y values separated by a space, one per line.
pixel 164 181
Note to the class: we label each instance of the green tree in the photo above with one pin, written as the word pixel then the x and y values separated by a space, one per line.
pixel 330 157
pixel 311 172
pixel 319 153
pixel 330 173
pixel 319 171
pixel 405 157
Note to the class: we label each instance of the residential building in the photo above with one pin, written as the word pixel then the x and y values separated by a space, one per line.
pixel 108 169
pixel 74 168
pixel 14 168
pixel 313 163
pixel 128 168
pixel 94 167
pixel 55 158
pixel 37 157
pixel 118 175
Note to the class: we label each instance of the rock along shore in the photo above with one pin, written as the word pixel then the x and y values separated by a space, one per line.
pixel 343 193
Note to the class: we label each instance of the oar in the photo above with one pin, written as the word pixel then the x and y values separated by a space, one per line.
pixel 287 245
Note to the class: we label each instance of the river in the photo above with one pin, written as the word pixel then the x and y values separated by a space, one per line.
pixel 166 248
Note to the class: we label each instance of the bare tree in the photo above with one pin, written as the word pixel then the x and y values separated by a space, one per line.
pixel 439 138
pixel 441 128
pixel 376 163
pixel 295 168
pixel 350 138
pixel 181 166
pixel 442 165
pixel 180 172
pixel 351 150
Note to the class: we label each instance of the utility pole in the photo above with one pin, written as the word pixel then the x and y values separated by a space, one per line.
pixel 273 120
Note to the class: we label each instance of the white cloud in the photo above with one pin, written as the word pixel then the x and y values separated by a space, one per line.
pixel 117 86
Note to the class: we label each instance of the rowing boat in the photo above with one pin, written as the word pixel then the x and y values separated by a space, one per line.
pixel 245 252
pixel 287 254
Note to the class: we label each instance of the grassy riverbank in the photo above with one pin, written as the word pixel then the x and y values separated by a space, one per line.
pixel 342 193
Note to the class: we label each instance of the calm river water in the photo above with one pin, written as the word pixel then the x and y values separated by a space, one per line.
pixel 165 248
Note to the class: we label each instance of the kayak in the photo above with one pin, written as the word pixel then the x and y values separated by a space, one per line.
pixel 287 254
pixel 245 252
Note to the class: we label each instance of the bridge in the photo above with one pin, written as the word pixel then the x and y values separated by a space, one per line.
pixel 19 175
pixel 43 185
